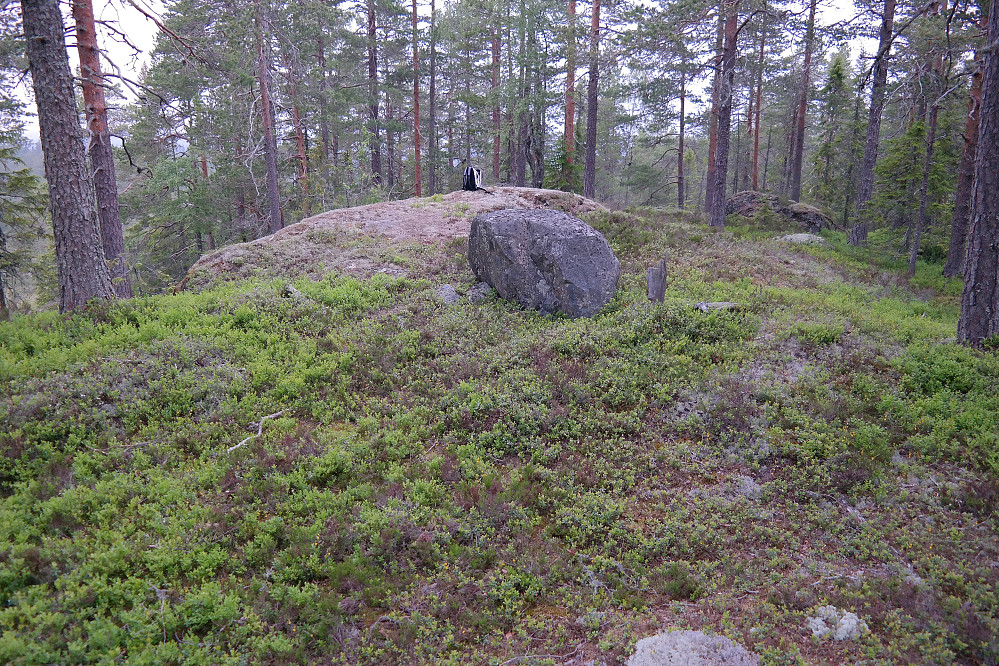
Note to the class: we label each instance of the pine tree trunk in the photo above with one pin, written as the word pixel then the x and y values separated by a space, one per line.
pixel 324 128
pixel 922 220
pixel 275 221
pixel 99 148
pixel 680 182
pixel 726 94
pixel 858 234
pixel 799 140
pixel 374 142
pixel 417 137
pixel 980 299
pixel 965 179
pixel 756 121
pixel 432 119
pixel 570 87
pixel 80 266
pixel 709 186
pixel 389 139
pixel 590 166
pixel 494 88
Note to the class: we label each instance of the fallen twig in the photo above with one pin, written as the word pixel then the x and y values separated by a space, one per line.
pixel 260 430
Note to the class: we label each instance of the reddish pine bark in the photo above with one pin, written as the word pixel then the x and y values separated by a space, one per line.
pixel 80 266
pixel 99 147
pixel 709 186
pixel 275 219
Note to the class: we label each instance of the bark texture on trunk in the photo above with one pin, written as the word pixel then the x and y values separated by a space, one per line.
pixel 980 299
pixel 965 179
pixel 99 147
pixel 82 271
pixel 922 219
pixel 681 198
pixel 590 166
pixel 799 140
pixel 570 87
pixel 417 137
pixel 756 120
pixel 267 111
pixel 432 119
pixel 374 143
pixel 858 234
pixel 726 93
pixel 494 88
pixel 709 184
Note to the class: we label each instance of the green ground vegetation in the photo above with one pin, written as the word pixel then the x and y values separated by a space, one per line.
pixel 482 484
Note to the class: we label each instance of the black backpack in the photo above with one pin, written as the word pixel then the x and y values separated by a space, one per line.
pixel 471 180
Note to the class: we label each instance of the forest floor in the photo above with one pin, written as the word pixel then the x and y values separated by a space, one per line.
pixel 362 474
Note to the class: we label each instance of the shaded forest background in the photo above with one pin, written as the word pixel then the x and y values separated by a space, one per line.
pixel 251 116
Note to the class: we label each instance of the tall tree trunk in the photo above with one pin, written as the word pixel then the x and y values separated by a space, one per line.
pixel 709 186
pixel 759 112
pixel 389 138
pixel 680 182
pixel 298 126
pixel 374 142
pixel 80 266
pixel 570 87
pixel 590 167
pixel 965 178
pixel 858 234
pixel 324 127
pixel 520 169
pixel 99 147
pixel 432 120
pixel 275 221
pixel 494 89
pixel 417 138
pixel 922 220
pixel 980 299
pixel 726 93
pixel 806 75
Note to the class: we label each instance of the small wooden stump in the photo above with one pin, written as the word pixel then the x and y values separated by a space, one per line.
pixel 657 281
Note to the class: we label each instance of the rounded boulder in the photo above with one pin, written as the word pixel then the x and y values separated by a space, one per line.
pixel 545 260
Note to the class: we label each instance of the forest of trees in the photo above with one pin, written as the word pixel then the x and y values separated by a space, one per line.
pixel 250 117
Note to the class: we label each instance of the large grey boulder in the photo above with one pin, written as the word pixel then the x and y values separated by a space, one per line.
pixel 748 203
pixel 545 260
pixel 690 648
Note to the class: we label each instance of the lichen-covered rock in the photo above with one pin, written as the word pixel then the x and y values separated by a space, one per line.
pixel 446 294
pixel 749 203
pixel 545 260
pixel 690 648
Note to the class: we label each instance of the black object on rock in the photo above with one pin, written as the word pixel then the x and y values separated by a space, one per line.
pixel 546 260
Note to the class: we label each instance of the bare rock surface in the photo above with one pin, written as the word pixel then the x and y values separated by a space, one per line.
pixel 324 243
pixel 546 260
pixel 748 203
pixel 690 648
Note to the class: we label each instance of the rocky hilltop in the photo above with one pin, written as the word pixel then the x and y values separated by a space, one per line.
pixel 321 243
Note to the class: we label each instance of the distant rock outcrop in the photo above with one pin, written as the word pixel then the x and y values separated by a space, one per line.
pixel 545 260
pixel 749 203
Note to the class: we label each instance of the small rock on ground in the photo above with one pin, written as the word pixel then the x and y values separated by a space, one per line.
pixel 446 294
pixel 690 648
pixel 479 292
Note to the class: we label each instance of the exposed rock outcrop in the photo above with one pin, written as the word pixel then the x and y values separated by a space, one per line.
pixel 327 243
pixel 748 203
pixel 545 260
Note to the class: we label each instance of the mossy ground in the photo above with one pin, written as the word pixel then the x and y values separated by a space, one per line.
pixel 482 484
